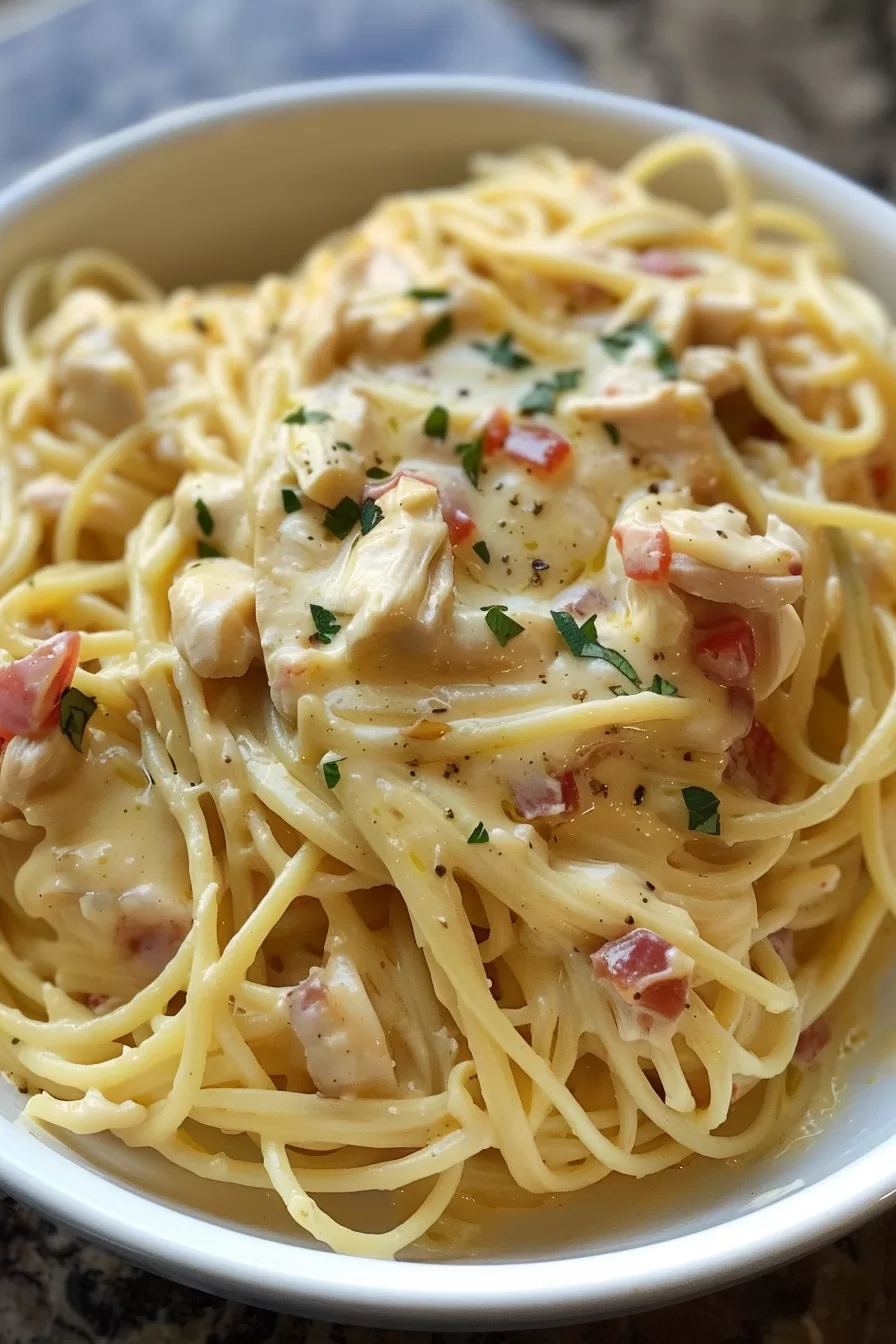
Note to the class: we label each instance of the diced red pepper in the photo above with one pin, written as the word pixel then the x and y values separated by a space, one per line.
pixel 496 429
pixel 645 550
pixel 31 687
pixel 726 653
pixel 538 446
pixel 460 525
pixel 661 261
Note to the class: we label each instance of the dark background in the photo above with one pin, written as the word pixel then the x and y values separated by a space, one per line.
pixel 818 75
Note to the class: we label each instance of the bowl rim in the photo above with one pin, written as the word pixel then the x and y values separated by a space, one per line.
pixel 193 1249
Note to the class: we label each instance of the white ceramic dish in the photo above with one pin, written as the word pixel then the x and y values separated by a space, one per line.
pixel 228 190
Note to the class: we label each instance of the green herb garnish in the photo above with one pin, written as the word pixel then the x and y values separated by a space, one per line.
pixel 483 552
pixel 471 459
pixel 502 626
pixel 206 551
pixel 618 343
pixel 376 474
pixel 479 835
pixel 204 518
pixel 421 293
pixel 440 330
pixel 660 686
pixel 612 431
pixel 330 772
pixel 501 352
pixel 302 417
pixel 291 501
pixel 75 710
pixel 346 447
pixel 325 623
pixel 542 396
pixel 371 514
pixel 342 518
pixel 703 810
pixel 583 642
pixel 435 426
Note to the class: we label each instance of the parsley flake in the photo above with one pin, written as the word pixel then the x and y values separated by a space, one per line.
pixel 660 686
pixel 542 396
pixel 612 431
pixel 422 294
pixel 618 343
pixel 75 710
pixel 342 518
pixel 206 551
pixel 703 810
pixel 371 514
pixel 483 552
pixel 470 455
pixel 302 417
pixel 479 835
pixel 330 772
pixel 346 447
pixel 583 642
pixel 204 518
pixel 376 474
pixel 502 626
pixel 501 352
pixel 435 426
pixel 291 501
pixel 325 623
pixel 440 330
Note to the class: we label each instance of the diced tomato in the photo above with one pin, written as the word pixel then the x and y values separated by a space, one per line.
pixel 31 687
pixel 645 550
pixel 538 446
pixel 811 1041
pixel 661 261
pixel 755 762
pixel 545 796
pixel 452 501
pixel 881 477
pixel 496 429
pixel 726 653
pixel 460 525
pixel 646 970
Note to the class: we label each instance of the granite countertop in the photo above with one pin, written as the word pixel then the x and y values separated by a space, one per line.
pixel 819 75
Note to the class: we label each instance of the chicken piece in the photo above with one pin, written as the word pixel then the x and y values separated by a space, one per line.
pixel 346 1051
pixel 714 367
pixel 99 383
pixel 328 457
pixel 719 318
pixel 651 414
pixel 224 498
pixel 381 319
pixel 398 579
pixel 31 765
pixel 213 617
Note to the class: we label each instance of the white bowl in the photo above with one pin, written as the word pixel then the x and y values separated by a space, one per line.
pixel 231 189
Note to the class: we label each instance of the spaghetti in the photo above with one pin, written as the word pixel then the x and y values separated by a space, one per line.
pixel 449 694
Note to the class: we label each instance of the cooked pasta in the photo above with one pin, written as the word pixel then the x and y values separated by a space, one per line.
pixel 449 693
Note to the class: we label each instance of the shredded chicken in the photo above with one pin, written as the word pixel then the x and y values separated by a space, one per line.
pixel 225 507
pixel 213 617
pixel 346 1051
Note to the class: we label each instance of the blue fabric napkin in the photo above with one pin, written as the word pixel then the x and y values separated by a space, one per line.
pixel 104 64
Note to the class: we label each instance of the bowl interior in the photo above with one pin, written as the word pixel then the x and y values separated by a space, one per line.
pixel 203 198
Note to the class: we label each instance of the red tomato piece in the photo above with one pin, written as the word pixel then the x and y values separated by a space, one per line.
pixel 645 550
pixel 496 429
pixel 31 687
pixel 726 653
pixel 538 446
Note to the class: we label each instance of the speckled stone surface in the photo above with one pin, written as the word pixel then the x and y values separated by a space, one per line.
pixel 819 75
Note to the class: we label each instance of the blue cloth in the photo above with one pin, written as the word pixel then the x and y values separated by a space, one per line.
pixel 105 64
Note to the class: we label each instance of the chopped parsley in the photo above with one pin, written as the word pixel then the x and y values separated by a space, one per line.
pixel 291 501
pixel 583 642
pixel 346 447
pixel 479 835
pixel 612 431
pixel 660 686
pixel 435 426
pixel 470 455
pixel 440 330
pixel 302 417
pixel 342 518
pixel 376 474
pixel 502 626
pixel 703 810
pixel 542 396
pixel 371 514
pixel 422 294
pixel 501 352
pixel 325 623
pixel 618 343
pixel 75 710
pixel 204 518
pixel 330 772
pixel 483 552
pixel 206 551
